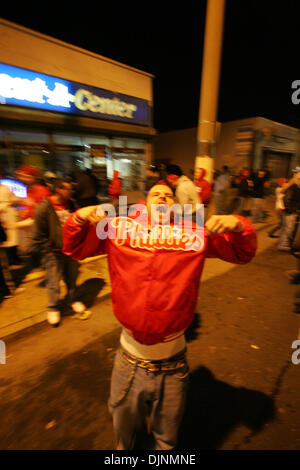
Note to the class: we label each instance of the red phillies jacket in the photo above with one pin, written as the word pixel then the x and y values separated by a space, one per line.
pixel 154 281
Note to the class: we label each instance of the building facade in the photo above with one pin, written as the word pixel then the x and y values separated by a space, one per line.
pixel 62 107
pixel 253 143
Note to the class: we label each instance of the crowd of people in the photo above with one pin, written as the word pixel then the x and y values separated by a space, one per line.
pixel 252 190
pixel 56 227
pixel 31 234
pixel 22 250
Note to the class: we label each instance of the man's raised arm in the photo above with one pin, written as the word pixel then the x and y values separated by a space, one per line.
pixel 232 238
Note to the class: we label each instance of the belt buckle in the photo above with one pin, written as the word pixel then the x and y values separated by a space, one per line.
pixel 148 365
pixel 169 366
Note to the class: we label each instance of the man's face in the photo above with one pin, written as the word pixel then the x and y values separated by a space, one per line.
pixel 198 173
pixel 65 192
pixel 159 200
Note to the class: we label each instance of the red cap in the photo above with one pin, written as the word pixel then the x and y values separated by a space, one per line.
pixel 28 170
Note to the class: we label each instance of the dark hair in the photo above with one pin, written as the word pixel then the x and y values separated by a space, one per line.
pixel 174 170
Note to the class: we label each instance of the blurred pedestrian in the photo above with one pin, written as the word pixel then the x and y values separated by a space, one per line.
pixel 257 185
pixel 6 281
pixel 115 187
pixel 220 189
pixel 35 194
pixel 8 218
pixel 291 202
pixel 244 173
pixel 49 180
pixel 243 194
pixel 185 190
pixel 154 291
pixel 8 286
pixel 85 188
pixel 279 207
pixel 203 187
pixel 49 219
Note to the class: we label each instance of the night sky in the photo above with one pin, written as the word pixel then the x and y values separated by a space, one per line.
pixel 260 57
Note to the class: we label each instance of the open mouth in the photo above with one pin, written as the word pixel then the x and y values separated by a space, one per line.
pixel 163 208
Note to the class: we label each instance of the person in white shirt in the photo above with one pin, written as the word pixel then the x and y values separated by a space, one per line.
pixel 185 189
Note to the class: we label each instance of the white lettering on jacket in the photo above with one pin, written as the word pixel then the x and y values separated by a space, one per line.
pixel 162 237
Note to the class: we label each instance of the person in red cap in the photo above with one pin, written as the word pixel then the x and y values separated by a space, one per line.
pixel 155 264
pixel 35 194
pixel 203 188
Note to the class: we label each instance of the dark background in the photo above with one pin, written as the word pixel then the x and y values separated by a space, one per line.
pixel 260 58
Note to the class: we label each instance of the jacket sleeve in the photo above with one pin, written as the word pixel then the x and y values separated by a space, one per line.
pixel 234 247
pixel 80 239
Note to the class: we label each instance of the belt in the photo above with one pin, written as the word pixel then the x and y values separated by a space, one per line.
pixel 172 363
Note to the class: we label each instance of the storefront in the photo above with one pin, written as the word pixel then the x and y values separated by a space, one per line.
pixel 257 143
pixel 96 114
pixel 253 143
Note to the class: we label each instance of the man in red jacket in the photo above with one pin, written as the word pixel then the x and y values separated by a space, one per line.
pixel 155 265
pixel 115 186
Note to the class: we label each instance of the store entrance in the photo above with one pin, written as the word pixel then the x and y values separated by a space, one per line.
pixel 279 163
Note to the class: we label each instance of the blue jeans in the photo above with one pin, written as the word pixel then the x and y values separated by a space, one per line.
pixel 288 231
pixel 280 216
pixel 138 396
pixel 257 212
pixel 60 267
pixel 241 205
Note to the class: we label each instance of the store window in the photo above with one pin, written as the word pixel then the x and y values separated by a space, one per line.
pixel 63 153
pixel 128 157
pixel 24 148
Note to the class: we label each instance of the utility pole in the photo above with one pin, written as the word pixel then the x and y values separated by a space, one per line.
pixel 206 134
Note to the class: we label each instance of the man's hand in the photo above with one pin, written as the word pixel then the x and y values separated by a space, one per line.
pixel 92 213
pixel 217 224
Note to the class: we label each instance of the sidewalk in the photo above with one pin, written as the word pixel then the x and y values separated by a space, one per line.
pixel 29 307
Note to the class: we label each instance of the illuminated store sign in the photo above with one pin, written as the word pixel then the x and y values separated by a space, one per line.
pixel 19 189
pixel 22 87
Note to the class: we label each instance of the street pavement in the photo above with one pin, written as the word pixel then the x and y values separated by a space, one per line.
pixel 244 387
